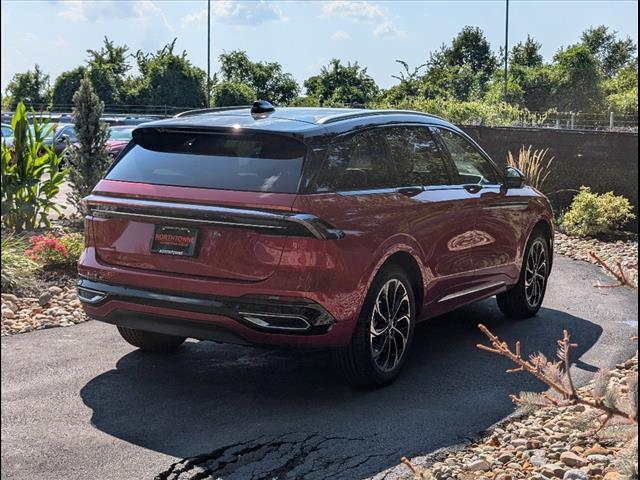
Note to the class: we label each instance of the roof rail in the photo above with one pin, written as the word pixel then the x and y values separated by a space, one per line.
pixel 368 113
pixel 198 111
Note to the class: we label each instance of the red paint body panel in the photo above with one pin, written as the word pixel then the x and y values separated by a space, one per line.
pixel 457 240
pixel 335 274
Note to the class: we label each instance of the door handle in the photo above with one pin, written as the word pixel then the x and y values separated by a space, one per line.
pixel 473 188
pixel 410 191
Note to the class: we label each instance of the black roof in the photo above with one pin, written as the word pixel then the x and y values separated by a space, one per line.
pixel 304 121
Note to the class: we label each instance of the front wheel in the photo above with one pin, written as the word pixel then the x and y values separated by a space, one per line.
pixel 525 298
pixel 383 334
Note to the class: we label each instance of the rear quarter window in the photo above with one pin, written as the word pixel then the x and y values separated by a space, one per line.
pixel 227 161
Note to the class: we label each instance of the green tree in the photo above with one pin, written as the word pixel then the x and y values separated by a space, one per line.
pixel 526 54
pixel 107 70
pixel 228 94
pixel 30 87
pixel 463 69
pixel 612 53
pixel 622 90
pixel 577 80
pixel 266 78
pixel 66 84
pixel 410 85
pixel 90 159
pixel 339 84
pixel 168 78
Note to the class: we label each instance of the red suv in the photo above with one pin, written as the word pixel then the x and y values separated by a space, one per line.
pixel 309 228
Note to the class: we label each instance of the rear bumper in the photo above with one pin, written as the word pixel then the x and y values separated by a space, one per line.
pixel 259 320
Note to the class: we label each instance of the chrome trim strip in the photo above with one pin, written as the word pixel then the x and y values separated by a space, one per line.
pixel 351 115
pixel 181 207
pixel 513 205
pixel 144 216
pixel 97 297
pixel 470 291
pixel 256 320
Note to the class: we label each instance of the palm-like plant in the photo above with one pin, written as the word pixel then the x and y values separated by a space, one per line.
pixel 31 174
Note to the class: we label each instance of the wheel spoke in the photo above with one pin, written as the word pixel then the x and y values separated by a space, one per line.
pixel 390 325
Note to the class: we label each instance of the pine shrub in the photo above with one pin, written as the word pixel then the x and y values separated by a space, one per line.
pixel 90 159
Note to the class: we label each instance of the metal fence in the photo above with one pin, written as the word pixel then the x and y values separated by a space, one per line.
pixel 602 121
pixel 605 121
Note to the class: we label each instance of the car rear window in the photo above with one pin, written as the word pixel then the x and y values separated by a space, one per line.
pixel 227 161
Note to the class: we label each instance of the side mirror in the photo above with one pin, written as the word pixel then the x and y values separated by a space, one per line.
pixel 62 138
pixel 514 178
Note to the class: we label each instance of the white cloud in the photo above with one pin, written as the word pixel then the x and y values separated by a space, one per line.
pixel 234 12
pixel 353 10
pixel 340 36
pixel 388 29
pixel 95 11
pixel 59 42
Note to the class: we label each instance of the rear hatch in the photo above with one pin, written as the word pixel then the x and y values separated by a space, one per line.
pixel 198 203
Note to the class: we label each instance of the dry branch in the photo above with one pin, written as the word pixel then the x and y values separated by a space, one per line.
pixel 556 375
pixel 618 272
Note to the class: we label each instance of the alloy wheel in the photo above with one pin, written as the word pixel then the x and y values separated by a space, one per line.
pixel 390 325
pixel 535 277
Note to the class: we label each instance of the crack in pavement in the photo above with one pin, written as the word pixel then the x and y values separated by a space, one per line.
pixel 291 456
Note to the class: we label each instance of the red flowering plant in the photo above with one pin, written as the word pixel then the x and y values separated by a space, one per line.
pixel 47 250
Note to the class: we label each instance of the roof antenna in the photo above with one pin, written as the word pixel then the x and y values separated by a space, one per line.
pixel 262 106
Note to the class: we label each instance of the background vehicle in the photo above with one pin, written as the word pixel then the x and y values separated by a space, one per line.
pixel 308 228
pixel 119 137
pixel 7 134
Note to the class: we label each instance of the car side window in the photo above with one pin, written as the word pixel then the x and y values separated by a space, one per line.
pixel 357 163
pixel 416 156
pixel 472 166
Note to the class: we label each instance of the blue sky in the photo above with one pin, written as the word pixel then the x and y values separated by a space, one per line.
pixel 301 35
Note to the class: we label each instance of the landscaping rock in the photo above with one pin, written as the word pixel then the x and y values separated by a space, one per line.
pixel 481 465
pixel 544 445
pixel 578 249
pixel 44 299
pixel 573 460
pixel 575 475
pixel 57 307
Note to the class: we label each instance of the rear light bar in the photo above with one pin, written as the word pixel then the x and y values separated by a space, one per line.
pixel 153 211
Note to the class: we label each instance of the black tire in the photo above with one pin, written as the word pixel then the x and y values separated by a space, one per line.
pixel 151 341
pixel 356 362
pixel 517 302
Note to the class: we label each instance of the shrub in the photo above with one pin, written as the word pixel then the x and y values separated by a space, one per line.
pixel 31 175
pixel 74 243
pixel 46 250
pixel 18 271
pixel 229 94
pixel 50 250
pixel 533 164
pixel 592 214
pixel 470 112
pixel 91 159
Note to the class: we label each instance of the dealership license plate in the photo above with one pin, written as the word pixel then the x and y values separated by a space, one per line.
pixel 177 241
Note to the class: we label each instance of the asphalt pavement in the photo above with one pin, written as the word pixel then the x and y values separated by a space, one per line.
pixel 80 403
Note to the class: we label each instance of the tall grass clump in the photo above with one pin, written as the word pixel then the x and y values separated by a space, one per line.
pixel 533 163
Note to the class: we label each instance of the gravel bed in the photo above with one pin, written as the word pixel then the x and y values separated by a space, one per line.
pixel 543 445
pixel 55 307
pixel 578 249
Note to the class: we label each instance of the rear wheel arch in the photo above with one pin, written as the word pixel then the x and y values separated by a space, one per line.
pixel 411 267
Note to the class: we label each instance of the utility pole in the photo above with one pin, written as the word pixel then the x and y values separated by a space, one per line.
pixel 506 50
pixel 208 53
